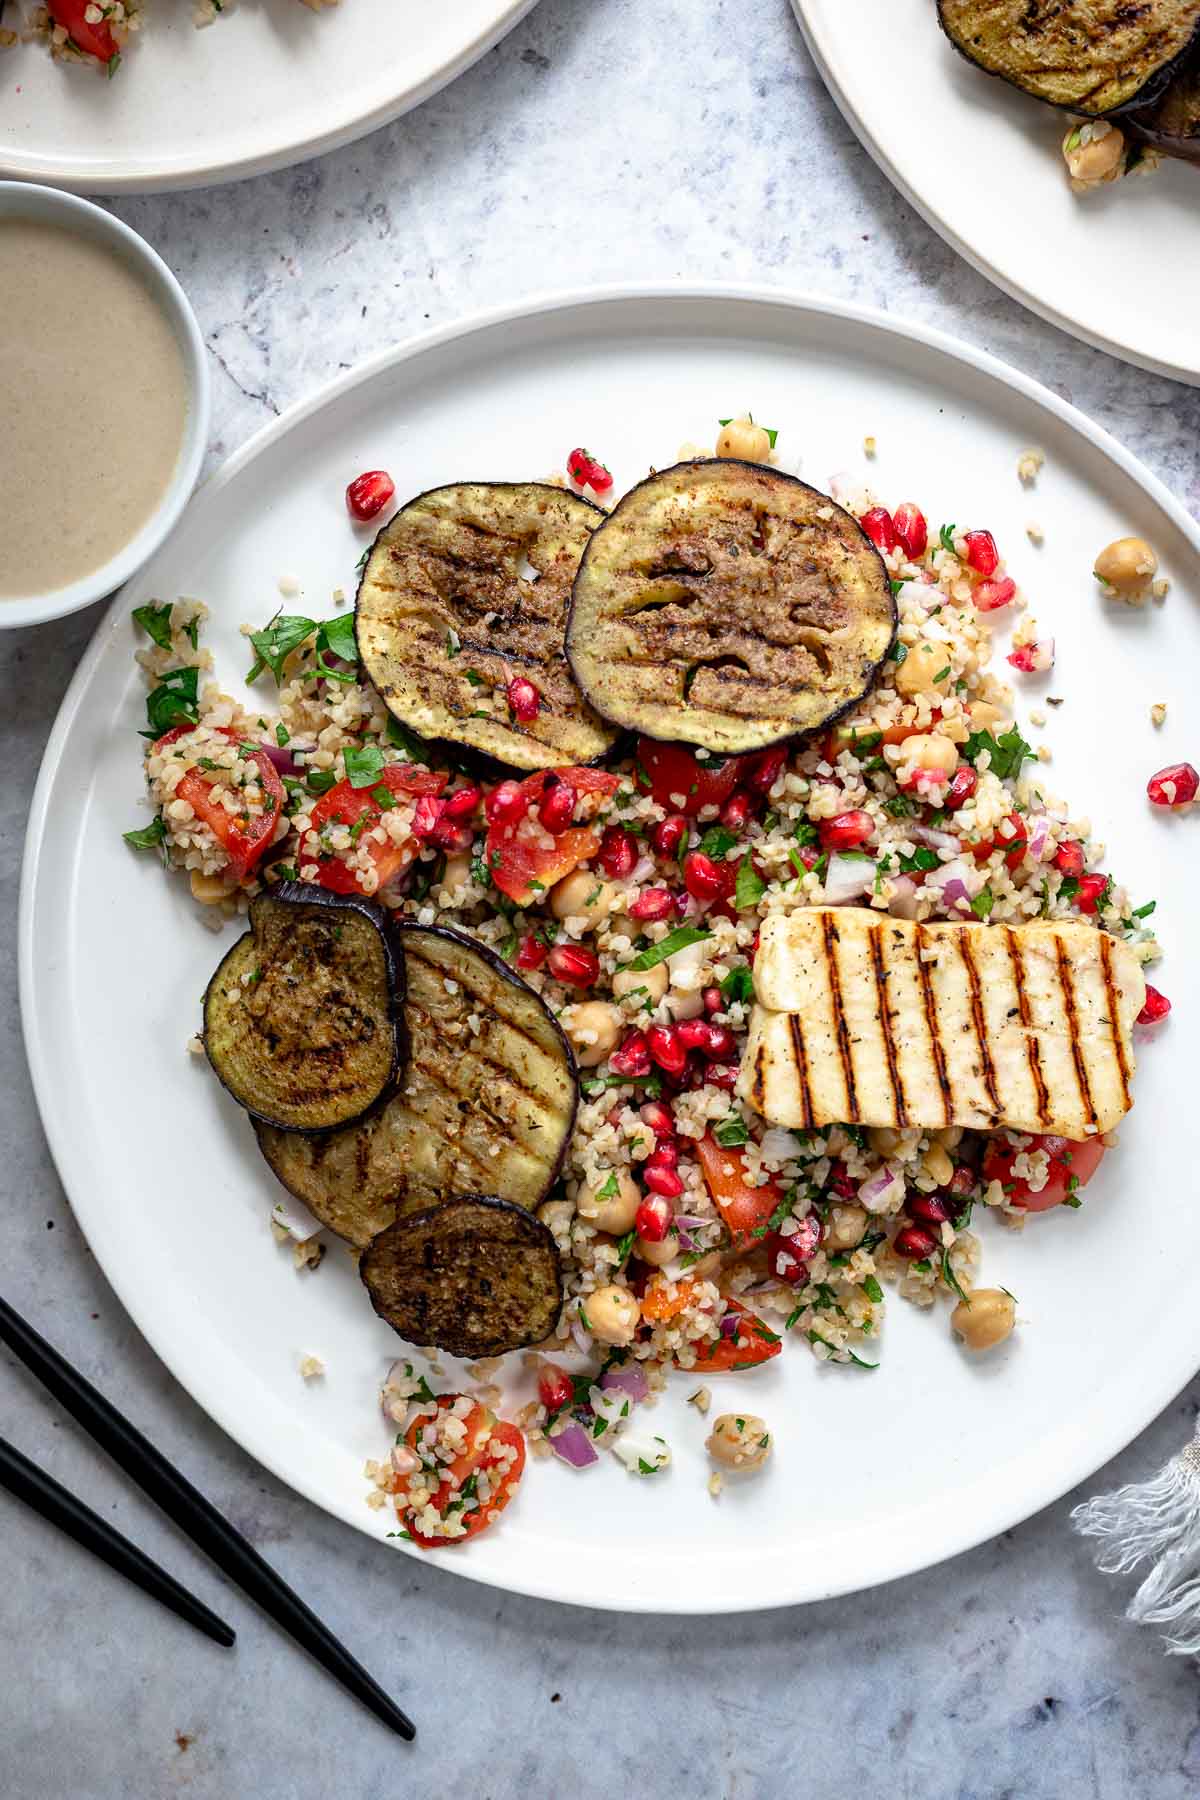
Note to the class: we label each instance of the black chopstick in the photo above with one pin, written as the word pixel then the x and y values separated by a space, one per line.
pixel 55 1503
pixel 195 1515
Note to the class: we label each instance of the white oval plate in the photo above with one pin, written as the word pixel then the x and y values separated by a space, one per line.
pixel 269 84
pixel 981 163
pixel 875 1475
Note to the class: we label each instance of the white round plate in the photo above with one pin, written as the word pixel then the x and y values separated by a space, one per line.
pixel 982 164
pixel 877 1474
pixel 268 84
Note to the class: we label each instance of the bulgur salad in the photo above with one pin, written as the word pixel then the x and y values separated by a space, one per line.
pixel 625 895
pixel 96 33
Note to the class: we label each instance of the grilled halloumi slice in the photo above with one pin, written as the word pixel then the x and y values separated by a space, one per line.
pixel 863 1019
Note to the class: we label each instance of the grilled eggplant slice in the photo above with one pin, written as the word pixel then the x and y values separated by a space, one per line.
pixel 488 1097
pixel 1173 125
pixel 475 1276
pixel 303 1020
pixel 728 605
pixel 446 619
pixel 1091 56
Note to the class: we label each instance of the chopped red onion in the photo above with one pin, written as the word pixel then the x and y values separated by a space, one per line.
pixel 904 900
pixel 583 1339
pixel 847 877
pixel 954 893
pixel 573 1446
pixel 629 1377
pixel 1037 839
pixel 878 1191
pixel 932 838
pixel 729 1325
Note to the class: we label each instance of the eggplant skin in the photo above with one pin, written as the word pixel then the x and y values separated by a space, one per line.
pixel 1173 124
pixel 445 619
pixel 728 605
pixel 303 1019
pixel 1089 56
pixel 476 1276
pixel 508 1086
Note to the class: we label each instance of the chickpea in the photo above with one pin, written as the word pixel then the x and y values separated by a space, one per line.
pixel 950 1136
pixel 210 890
pixel 983 715
pixel 582 895
pixel 882 1138
pixel 456 874
pixel 1101 158
pixel 845 1227
pixel 613 1315
pixel 740 1441
pixel 614 1211
pixel 706 1268
pixel 986 1319
pixel 658 1255
pixel 654 981
pixel 685 1003
pixel 937 1164
pixel 745 440
pixel 925 670
pixel 1127 566
pixel 594 1028
pixel 930 750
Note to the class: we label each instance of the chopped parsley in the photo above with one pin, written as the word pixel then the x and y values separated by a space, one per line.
pixel 674 941
pixel 319 781
pixel 173 702
pixel 922 859
pixel 872 1289
pixel 946 538
pixel 150 837
pixel 738 985
pixel 731 1132
pixel 155 621
pixel 749 888
pixel 717 842
pixel 1007 752
pixel 983 903
pixel 364 766
pixel 412 744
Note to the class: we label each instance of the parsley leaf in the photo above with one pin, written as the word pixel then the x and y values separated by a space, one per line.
pixel 749 887
pixel 674 940
pixel 150 837
pixel 731 1132
pixel 738 985
pixel 1007 752
pixel 717 842
pixel 920 859
pixel 413 745
pixel 363 766
pixel 983 903
pixel 946 538
pixel 155 621
pixel 173 702
pixel 276 641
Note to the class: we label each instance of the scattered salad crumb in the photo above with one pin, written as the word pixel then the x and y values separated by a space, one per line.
pixel 1030 464
pixel 739 1441
pixel 1035 534
pixel 701 1399
pixel 311 1367
pixel 1158 712
pixel 715 1484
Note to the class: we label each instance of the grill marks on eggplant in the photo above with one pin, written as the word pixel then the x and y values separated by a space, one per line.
pixel 466 588
pixel 302 1020
pixel 476 1276
pixel 727 605
pixel 487 1100
pixel 1091 56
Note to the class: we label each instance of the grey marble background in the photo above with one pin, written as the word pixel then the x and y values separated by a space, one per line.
pixel 605 139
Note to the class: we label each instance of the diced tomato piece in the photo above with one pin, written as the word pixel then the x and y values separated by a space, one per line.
pixel 745 1209
pixel 681 783
pixel 1072 1166
pixel 242 836
pixel 488 1441
pixel 752 1343
pixel 665 1299
pixel 347 805
pixel 519 863
pixel 94 40
pixel 1014 843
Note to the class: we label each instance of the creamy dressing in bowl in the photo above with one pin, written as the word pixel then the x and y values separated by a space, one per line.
pixel 93 399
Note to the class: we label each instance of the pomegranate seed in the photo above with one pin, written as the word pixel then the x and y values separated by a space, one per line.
pixel 736 811
pixel 554 1387
pixel 651 904
pixel 531 953
pixel 765 772
pixel 462 802
pixel 911 529
pixel 963 784
pixel 1069 858
pixel 714 1042
pixel 658 1117
pixel 723 1075
pixel 1033 658
pixel 914 1242
pixel 506 804
pixel 573 965
pixel 1088 894
pixel 662 1183
pixel 669 834
pixel 1173 786
pixel 426 814
pixel 692 1033
pixel 524 701
pixel 632 1057
pixel 1157 1007
pixel 617 853
pixel 964 1181
pixel 369 493
pixel 880 527
pixel 785 1264
pixel 665 1154
pixel 714 1000
pixel 928 1209
pixel 448 835
pixel 982 554
pixel 557 807
pixel 841 1183
pixel 990 596
pixel 847 830
pixel 703 878
pixel 666 1049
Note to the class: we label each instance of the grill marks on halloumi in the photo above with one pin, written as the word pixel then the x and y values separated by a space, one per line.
pixel 862 1019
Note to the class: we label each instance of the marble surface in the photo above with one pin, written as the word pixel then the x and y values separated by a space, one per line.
pixel 606 139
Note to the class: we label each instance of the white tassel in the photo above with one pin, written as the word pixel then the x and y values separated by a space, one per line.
pixel 1159 1520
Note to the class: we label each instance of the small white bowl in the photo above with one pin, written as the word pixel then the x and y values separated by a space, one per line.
pixel 21 200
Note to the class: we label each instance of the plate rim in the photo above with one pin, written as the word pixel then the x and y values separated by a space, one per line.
pixel 1010 285
pixel 1172 1377
pixel 127 179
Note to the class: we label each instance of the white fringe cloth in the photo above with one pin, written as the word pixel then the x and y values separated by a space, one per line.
pixel 1157 1522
